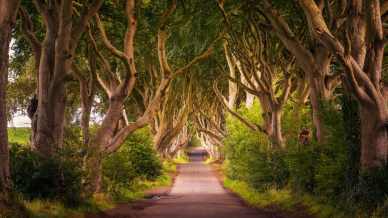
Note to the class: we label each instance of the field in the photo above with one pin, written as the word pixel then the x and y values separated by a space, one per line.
pixel 19 135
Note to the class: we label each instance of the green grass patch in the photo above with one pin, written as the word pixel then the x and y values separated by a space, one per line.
pixel 138 188
pixel 282 198
pixel 19 135
pixel 52 209
pixel 288 201
pixel 100 202
pixel 181 159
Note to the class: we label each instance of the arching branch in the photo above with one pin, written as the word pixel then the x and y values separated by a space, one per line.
pixel 224 102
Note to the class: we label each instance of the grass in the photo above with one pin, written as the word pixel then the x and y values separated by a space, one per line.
pixel 281 198
pixel 287 201
pixel 52 209
pixel 19 135
pixel 100 202
pixel 137 190
pixel 181 159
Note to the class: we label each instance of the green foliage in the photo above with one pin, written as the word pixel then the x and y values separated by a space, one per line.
pixel 352 124
pixel 54 209
pixel 248 156
pixel 58 177
pixel 19 136
pixel 136 159
pixel 326 175
pixel 195 142
pixel 321 168
pixel 372 189
pixel 301 163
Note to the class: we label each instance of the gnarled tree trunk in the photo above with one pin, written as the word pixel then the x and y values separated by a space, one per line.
pixel 362 75
pixel 56 57
pixel 277 136
pixel 8 11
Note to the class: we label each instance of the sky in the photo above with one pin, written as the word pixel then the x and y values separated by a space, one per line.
pixel 22 120
pixel 19 120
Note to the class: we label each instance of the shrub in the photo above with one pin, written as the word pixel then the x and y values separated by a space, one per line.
pixel 248 156
pixel 58 177
pixel 302 163
pixel 372 189
pixel 135 159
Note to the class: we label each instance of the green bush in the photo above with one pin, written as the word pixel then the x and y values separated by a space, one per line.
pixel 372 189
pixel 328 172
pixel 57 178
pixel 248 157
pixel 302 165
pixel 136 159
pixel 19 135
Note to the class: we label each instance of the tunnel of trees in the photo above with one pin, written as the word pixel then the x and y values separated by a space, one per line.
pixel 289 96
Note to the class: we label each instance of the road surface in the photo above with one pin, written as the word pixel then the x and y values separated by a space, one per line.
pixel 196 193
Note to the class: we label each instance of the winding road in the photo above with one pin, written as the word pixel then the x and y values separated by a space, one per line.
pixel 196 193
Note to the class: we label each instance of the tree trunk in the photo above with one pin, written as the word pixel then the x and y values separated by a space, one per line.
pixel 103 136
pixel 87 91
pixel 8 11
pixel 85 119
pixel 374 139
pixel 266 114
pixel 45 138
pixel 57 52
pixel 50 115
pixel 249 99
pixel 362 77
pixel 320 93
pixel 233 89
pixel 316 106
pixel 277 137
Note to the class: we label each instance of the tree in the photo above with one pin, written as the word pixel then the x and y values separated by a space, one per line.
pixel 314 60
pixel 87 89
pixel 55 54
pixel 265 72
pixel 108 139
pixel 361 54
pixel 171 120
pixel 8 12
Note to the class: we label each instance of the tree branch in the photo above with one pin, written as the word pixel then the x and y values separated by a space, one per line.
pixel 107 42
pixel 88 12
pixel 224 102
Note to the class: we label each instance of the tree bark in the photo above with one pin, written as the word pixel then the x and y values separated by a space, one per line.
pixel 233 89
pixel 103 136
pixel 315 66
pixel 58 49
pixel 87 88
pixel 373 140
pixel 8 12
pixel 277 136
pixel 361 77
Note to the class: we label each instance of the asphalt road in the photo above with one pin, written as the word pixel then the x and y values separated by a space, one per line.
pixel 196 193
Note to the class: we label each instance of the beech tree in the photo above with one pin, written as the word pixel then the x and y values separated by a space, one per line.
pixel 170 120
pixel 55 55
pixel 361 54
pixel 107 138
pixel 315 60
pixel 263 73
pixel 210 130
pixel 87 79
pixel 8 13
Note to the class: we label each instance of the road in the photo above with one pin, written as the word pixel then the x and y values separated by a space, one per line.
pixel 196 193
